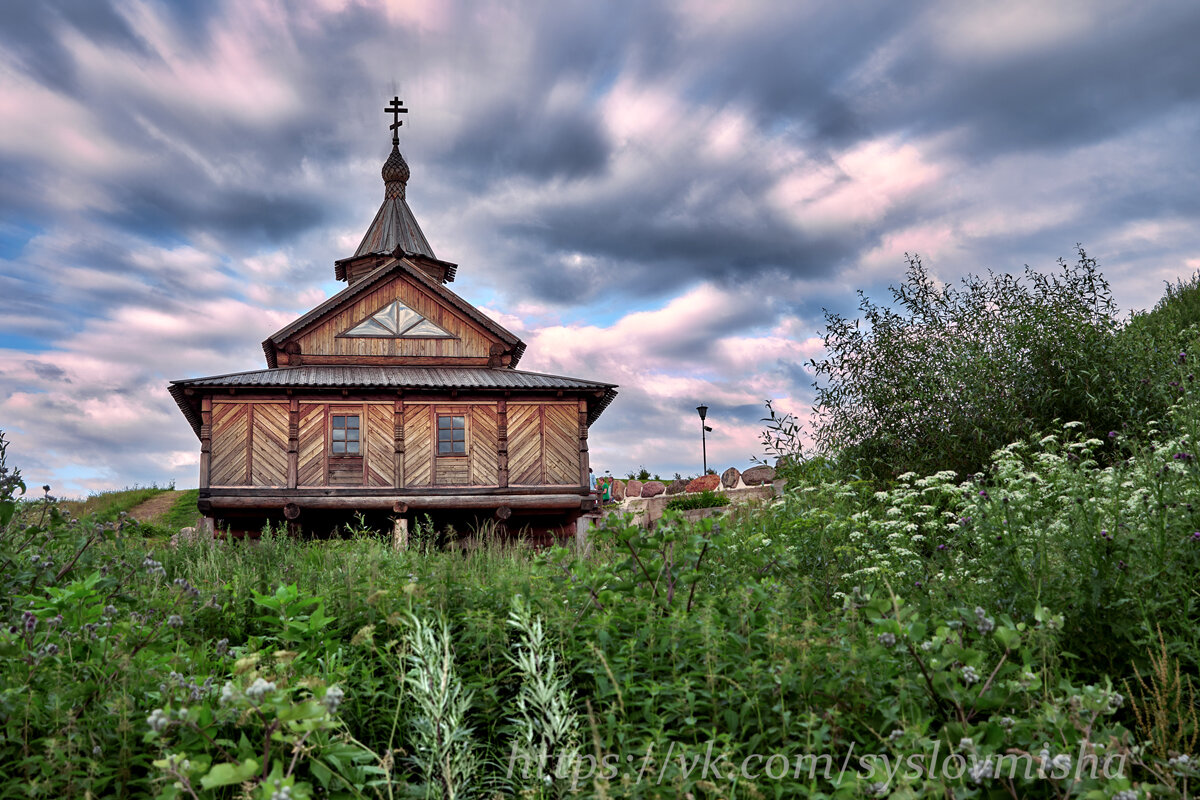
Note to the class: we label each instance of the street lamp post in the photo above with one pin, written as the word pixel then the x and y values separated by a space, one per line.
pixel 703 412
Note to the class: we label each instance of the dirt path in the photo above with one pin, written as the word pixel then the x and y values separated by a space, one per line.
pixel 155 507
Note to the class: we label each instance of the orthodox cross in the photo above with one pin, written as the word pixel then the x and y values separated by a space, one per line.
pixel 396 108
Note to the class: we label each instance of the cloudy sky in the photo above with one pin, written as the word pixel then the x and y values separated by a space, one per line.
pixel 663 195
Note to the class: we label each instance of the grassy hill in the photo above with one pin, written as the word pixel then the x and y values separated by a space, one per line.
pixel 165 508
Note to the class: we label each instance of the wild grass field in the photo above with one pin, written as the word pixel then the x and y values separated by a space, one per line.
pixel 955 606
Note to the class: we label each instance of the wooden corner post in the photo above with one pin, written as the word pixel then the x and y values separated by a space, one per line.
pixel 205 439
pixel 584 462
pixel 293 473
pixel 502 443
pixel 398 442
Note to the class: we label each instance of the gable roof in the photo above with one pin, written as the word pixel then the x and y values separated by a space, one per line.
pixel 397 265
pixel 363 377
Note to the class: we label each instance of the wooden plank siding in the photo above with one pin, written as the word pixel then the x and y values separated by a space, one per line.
pixel 379 440
pixel 483 445
pixel 230 444
pixel 472 340
pixel 311 462
pixel 524 444
pixel 418 444
pixel 543 444
pixel 560 440
pixel 269 445
pixel 255 442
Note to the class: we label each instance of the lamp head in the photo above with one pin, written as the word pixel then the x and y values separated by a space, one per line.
pixel 702 411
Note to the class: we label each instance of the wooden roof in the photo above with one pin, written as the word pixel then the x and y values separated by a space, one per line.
pixel 394 224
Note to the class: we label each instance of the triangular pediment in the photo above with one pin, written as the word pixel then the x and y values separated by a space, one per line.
pixel 395 315
pixel 396 321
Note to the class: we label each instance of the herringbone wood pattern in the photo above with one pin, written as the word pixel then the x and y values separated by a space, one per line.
pixel 230 439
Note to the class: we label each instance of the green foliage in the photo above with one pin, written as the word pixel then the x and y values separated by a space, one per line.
pixel 928 618
pixel 183 513
pixel 706 499
pixel 111 506
pixel 949 374
pixel 546 734
pixel 642 474
pixel 443 744
pixel 11 486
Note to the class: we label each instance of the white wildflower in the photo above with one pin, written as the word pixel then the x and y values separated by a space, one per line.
pixel 158 720
pixel 259 689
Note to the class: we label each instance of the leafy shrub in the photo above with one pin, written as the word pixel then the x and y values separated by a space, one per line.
pixel 950 374
pixel 706 499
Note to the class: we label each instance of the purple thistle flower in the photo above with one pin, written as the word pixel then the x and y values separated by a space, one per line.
pixel 1196 536
pixel 1112 434
pixel 941 547
pixel 983 493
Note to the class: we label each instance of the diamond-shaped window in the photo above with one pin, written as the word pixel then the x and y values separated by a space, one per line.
pixel 397 321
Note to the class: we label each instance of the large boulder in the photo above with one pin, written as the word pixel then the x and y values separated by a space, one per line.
pixel 633 489
pixel 730 477
pixel 618 490
pixel 191 535
pixel 676 487
pixel 705 483
pixel 757 476
pixel 653 488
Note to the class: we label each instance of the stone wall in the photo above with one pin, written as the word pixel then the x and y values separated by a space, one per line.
pixel 647 500
pixel 731 478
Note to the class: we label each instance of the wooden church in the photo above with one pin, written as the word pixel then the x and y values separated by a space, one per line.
pixel 393 396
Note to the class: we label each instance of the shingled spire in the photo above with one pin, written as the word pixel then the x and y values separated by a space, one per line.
pixel 394 225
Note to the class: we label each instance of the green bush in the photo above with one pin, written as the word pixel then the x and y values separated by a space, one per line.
pixel 950 374
pixel 706 499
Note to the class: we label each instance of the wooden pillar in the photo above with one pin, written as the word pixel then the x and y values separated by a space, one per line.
pixel 399 526
pixel 205 439
pixel 584 462
pixel 249 443
pixel 293 475
pixel 502 443
pixel 398 443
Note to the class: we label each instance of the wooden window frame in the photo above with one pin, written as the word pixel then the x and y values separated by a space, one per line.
pixel 437 433
pixel 334 414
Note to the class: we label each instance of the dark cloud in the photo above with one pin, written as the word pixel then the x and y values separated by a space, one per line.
pixel 239 215
pixel 32 32
pixel 566 154
pixel 537 145
pixel 1127 69
pixel 48 372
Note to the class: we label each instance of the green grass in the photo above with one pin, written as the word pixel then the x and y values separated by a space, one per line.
pixel 107 506
pixel 184 513
pixel 705 499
